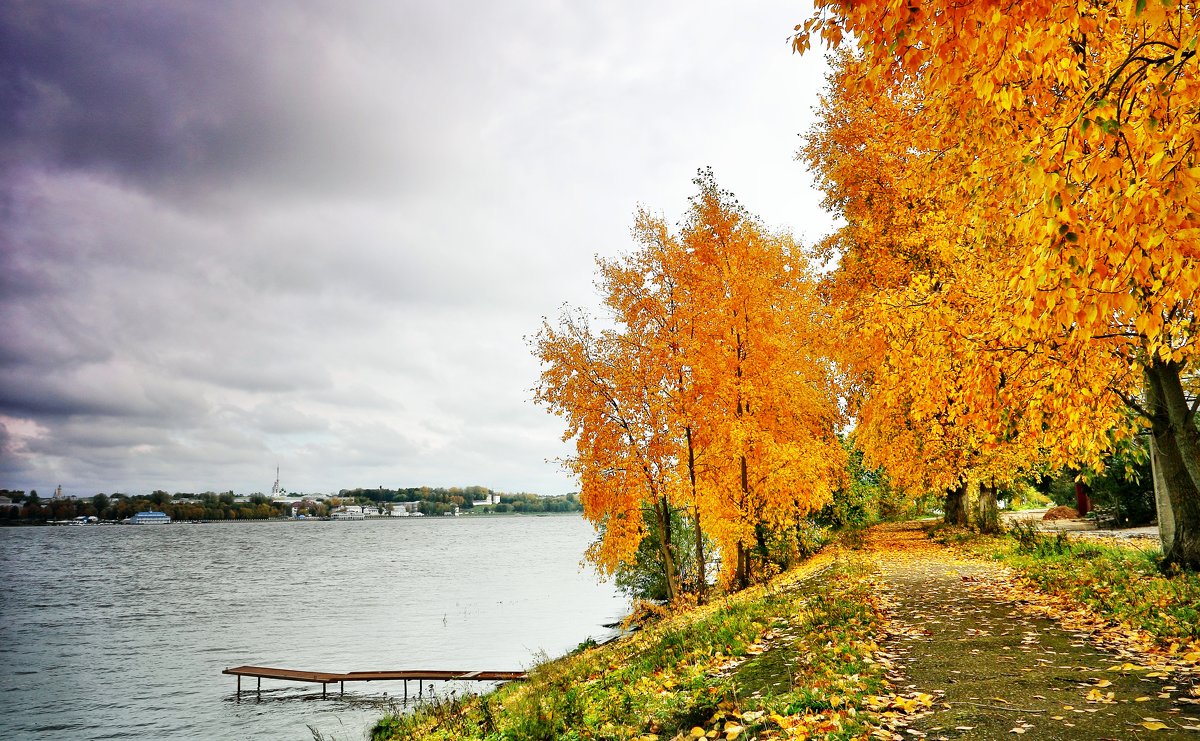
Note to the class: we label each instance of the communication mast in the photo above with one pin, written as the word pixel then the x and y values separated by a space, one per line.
pixel 276 490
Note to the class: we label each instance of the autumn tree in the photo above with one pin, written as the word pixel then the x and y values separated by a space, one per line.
pixel 1075 125
pixel 709 395
pixel 648 291
pixel 764 409
pixel 922 366
pixel 611 394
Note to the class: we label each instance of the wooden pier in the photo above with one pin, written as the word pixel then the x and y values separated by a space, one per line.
pixel 340 678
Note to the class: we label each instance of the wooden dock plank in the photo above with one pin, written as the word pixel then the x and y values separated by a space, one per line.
pixel 297 675
pixel 443 675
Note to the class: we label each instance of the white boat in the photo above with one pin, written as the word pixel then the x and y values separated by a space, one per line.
pixel 342 515
pixel 149 518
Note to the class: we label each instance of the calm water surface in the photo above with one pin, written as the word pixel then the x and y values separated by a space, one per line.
pixel 122 631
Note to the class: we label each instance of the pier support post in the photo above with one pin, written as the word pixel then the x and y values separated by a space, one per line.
pixel 323 685
pixel 259 690
pixel 239 685
pixel 343 688
pixel 406 692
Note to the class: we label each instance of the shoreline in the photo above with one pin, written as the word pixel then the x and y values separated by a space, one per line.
pixel 280 520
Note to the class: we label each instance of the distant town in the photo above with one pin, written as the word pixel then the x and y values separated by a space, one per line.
pixel 19 507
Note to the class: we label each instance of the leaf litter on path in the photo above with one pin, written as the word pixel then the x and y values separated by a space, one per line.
pixel 1001 665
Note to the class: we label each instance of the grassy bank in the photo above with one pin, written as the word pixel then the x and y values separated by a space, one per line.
pixel 796 657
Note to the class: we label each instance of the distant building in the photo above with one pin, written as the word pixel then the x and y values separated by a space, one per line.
pixel 489 499
pixel 6 502
pixel 299 504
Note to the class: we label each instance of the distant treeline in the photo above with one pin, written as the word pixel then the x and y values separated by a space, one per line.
pixel 207 506
pixel 225 506
pixel 445 500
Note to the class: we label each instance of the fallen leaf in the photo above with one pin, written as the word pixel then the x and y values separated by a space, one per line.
pixel 1155 725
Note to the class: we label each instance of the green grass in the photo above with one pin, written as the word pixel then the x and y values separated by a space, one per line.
pixel 791 654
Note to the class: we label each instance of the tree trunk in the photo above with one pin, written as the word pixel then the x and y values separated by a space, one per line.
pixel 1184 498
pixel 956 506
pixel 1083 503
pixel 670 575
pixel 742 576
pixel 1181 416
pixel 1162 501
pixel 760 538
pixel 988 515
pixel 701 577
pixel 1175 448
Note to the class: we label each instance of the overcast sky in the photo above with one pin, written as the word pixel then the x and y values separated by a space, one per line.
pixel 237 235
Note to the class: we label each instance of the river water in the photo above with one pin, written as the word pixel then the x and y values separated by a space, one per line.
pixel 122 631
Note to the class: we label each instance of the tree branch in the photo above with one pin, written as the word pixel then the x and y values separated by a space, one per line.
pixel 1130 402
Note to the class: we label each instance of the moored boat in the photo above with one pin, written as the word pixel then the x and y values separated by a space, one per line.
pixel 149 518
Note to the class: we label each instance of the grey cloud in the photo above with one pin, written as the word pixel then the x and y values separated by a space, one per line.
pixel 107 389
pixel 286 419
pixel 116 86
pixel 196 98
pixel 235 234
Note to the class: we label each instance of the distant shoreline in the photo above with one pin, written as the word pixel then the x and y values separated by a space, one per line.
pixel 283 520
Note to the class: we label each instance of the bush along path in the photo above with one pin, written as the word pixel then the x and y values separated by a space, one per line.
pixel 1004 660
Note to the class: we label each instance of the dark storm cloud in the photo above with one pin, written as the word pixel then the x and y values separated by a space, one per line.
pixel 117 390
pixel 144 90
pixel 194 99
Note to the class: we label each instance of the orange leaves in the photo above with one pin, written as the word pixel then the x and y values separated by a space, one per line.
pixel 710 395
pixel 1038 224
pixel 764 407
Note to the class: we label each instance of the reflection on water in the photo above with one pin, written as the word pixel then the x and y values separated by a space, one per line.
pixel 122 631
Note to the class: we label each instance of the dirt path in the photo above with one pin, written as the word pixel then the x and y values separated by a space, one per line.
pixel 999 669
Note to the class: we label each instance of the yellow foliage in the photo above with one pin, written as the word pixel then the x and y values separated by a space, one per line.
pixel 711 393
pixel 1021 205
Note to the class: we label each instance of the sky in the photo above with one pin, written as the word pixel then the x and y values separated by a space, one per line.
pixel 236 235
